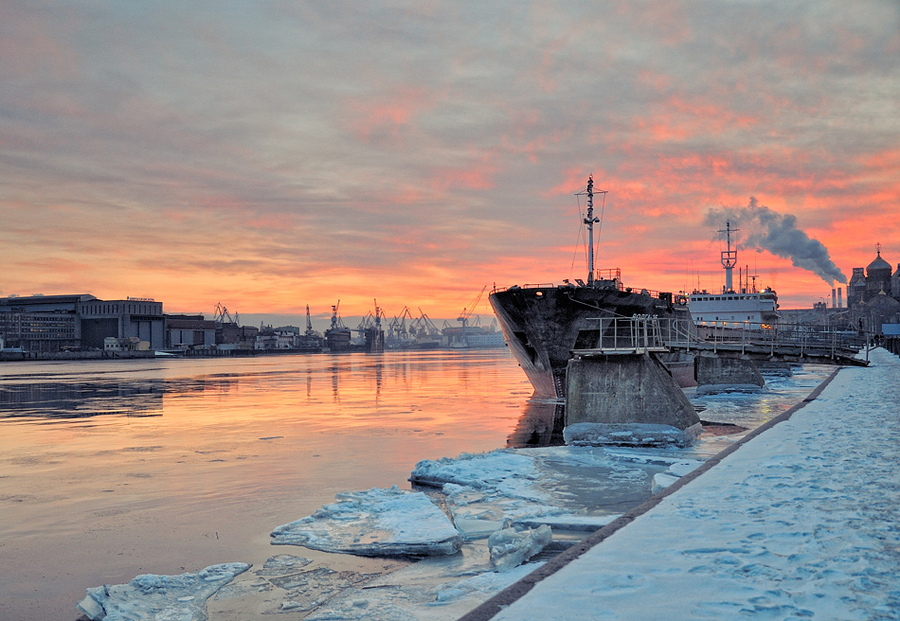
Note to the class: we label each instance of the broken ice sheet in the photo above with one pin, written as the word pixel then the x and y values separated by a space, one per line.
pixel 377 522
pixel 308 590
pixel 290 584
pixel 582 487
pixel 510 547
pixel 154 596
pixel 432 588
pixel 512 473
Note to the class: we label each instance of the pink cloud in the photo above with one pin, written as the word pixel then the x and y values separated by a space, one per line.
pixel 385 117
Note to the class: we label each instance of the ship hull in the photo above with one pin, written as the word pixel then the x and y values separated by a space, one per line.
pixel 543 325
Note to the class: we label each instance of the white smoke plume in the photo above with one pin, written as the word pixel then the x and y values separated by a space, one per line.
pixel 765 229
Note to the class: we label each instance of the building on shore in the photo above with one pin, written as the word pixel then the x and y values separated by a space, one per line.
pixel 873 295
pixel 190 332
pixel 55 323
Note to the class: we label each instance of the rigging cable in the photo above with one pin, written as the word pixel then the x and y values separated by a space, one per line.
pixel 578 238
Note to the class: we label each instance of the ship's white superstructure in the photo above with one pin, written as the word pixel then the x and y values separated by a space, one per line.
pixel 752 310
pixel 745 307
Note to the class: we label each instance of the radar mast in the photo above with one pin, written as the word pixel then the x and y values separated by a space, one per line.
pixel 589 221
pixel 729 258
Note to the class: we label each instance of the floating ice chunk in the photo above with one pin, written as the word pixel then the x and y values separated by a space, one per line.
pixel 661 481
pixel 678 469
pixel 568 521
pixel 683 467
pixel 510 548
pixel 475 528
pixel 631 434
pixel 153 596
pixel 481 585
pixel 377 522
pixel 493 470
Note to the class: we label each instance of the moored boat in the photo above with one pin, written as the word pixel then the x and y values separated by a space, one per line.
pixel 544 324
pixel 742 308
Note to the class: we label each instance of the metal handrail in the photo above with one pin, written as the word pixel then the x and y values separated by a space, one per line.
pixel 644 333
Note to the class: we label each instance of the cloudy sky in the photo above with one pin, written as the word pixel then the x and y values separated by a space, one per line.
pixel 269 155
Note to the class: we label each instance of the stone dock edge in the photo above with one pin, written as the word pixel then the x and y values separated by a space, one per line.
pixel 504 598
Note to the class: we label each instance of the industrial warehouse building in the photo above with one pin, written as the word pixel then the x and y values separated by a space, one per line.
pixel 53 323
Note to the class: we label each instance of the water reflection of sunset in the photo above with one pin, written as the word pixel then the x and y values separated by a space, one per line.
pixel 233 447
pixel 258 419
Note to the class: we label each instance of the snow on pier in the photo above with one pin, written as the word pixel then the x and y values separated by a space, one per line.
pixel 803 521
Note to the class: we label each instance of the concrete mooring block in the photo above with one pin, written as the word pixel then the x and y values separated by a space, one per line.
pixel 721 374
pixel 625 388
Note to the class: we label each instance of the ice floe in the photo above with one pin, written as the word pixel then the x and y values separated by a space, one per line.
pixel 154 596
pixel 510 547
pixel 377 522
pixel 629 434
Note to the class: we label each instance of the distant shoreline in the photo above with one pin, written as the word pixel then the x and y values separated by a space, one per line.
pixel 26 356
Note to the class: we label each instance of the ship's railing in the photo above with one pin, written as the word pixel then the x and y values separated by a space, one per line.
pixel 780 335
pixel 610 283
pixel 643 333
pixel 624 335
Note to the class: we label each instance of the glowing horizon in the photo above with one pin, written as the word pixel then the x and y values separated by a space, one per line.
pixel 270 157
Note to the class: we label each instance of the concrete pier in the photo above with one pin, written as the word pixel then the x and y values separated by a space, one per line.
pixel 625 388
pixel 726 372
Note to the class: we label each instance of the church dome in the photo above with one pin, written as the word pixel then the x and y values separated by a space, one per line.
pixel 878 265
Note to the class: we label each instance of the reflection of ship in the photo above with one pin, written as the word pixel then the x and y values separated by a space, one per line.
pixel 744 308
pixel 541 424
pixel 543 324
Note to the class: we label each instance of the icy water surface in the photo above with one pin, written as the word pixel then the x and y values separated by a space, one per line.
pixel 113 469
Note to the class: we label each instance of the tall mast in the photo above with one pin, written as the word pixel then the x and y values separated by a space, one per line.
pixel 729 258
pixel 589 220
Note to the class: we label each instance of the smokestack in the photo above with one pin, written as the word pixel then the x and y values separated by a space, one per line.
pixel 833 298
pixel 840 302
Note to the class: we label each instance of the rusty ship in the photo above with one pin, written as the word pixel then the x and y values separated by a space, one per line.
pixel 544 324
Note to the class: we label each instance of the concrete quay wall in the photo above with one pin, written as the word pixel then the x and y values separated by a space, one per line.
pixel 625 388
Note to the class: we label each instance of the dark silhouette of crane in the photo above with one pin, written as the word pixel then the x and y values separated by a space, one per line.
pixel 464 316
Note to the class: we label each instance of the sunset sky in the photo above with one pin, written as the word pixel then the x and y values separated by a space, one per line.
pixel 269 155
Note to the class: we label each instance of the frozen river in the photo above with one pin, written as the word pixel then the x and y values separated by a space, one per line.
pixel 113 469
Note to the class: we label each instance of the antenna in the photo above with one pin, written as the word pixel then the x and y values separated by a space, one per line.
pixel 590 220
pixel 729 258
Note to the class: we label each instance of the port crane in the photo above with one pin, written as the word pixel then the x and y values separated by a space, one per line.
pixel 398 329
pixel 423 327
pixel 371 320
pixel 223 317
pixel 309 327
pixel 466 313
pixel 335 318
